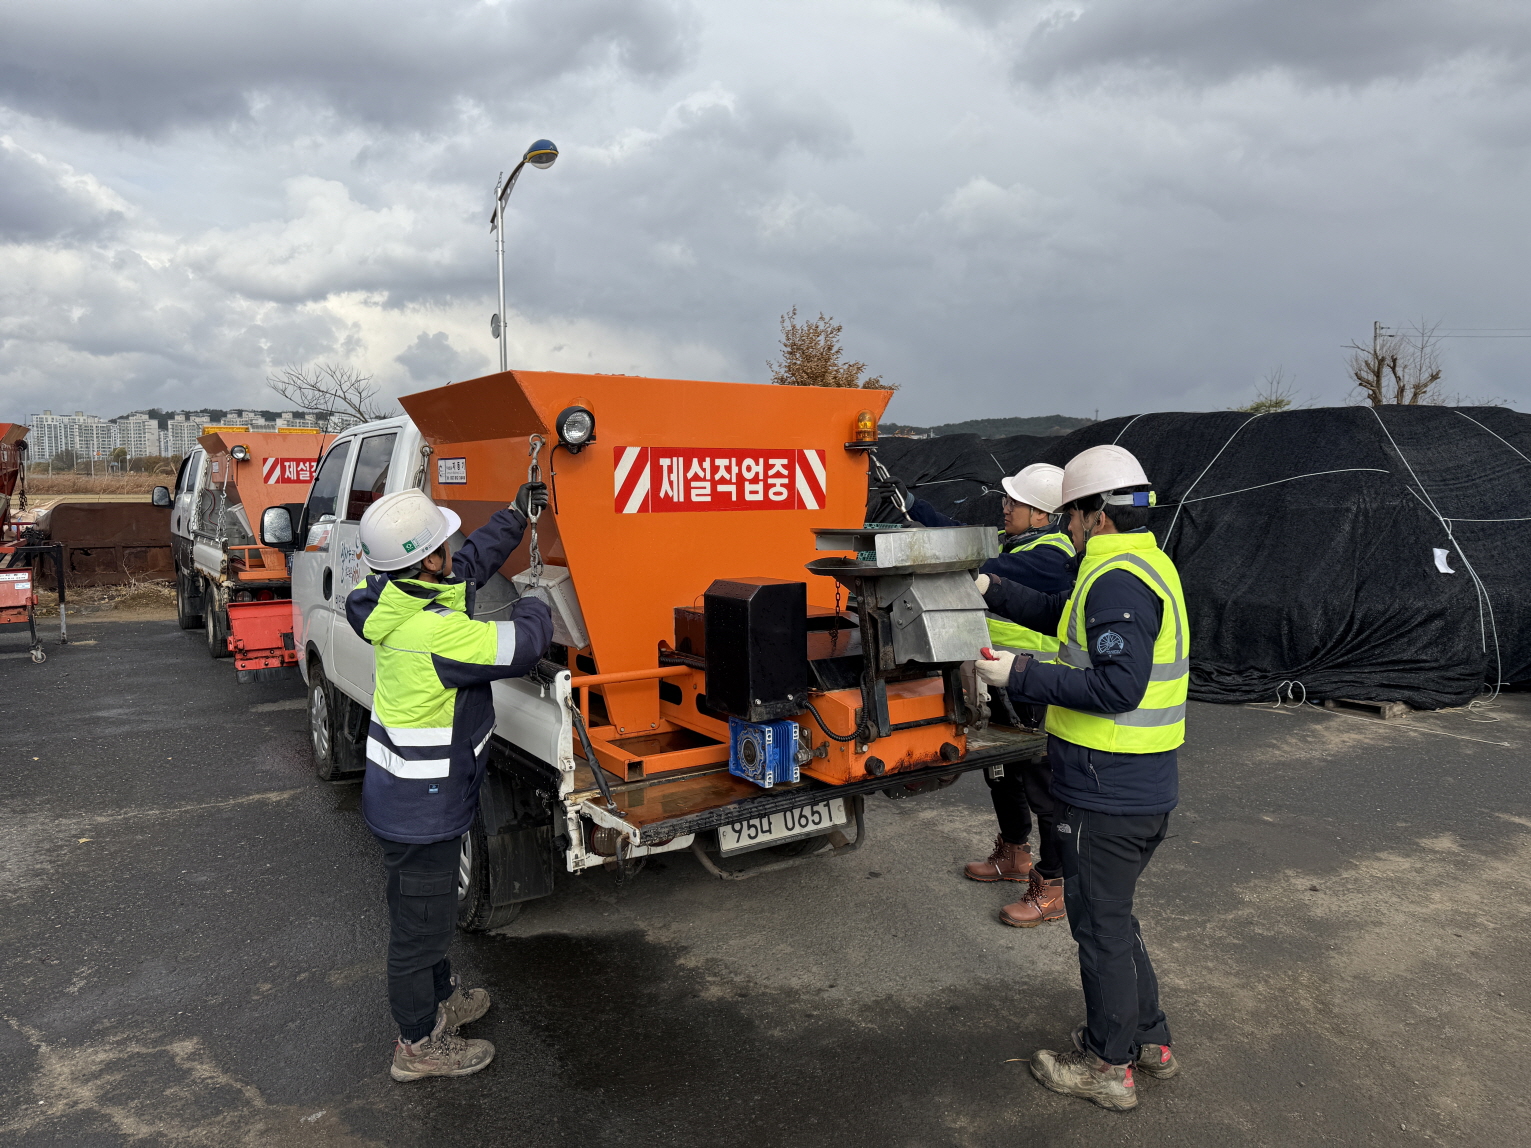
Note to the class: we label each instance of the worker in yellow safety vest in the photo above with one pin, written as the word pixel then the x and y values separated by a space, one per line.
pixel 1034 552
pixel 1116 697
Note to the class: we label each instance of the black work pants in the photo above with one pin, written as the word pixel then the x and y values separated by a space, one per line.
pixel 422 913
pixel 1103 855
pixel 1026 788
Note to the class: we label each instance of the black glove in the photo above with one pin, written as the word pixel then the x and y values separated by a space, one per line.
pixel 893 490
pixel 531 499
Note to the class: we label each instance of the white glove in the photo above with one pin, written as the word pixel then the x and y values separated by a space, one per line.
pixel 995 671
pixel 982 584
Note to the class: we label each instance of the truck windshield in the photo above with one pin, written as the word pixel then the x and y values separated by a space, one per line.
pixel 321 498
pixel 370 476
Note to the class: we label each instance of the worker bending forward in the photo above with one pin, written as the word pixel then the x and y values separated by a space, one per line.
pixel 431 718
pixel 1116 715
pixel 1036 553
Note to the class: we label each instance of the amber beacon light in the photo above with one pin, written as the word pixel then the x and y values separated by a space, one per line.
pixel 866 426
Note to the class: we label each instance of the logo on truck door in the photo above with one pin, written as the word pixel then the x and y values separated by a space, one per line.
pixel 651 479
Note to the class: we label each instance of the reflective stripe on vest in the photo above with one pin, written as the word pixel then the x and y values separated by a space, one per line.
pixel 1009 635
pixel 1158 724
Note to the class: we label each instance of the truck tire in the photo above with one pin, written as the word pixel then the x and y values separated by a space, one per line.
pixel 185 616
pixel 474 912
pixel 321 724
pixel 215 623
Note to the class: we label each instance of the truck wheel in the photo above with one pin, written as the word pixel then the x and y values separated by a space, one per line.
pixel 215 623
pixel 321 724
pixel 185 617
pixel 474 912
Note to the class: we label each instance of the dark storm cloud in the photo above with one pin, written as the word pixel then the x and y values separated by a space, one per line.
pixel 431 358
pixel 149 67
pixel 38 202
pixel 1325 41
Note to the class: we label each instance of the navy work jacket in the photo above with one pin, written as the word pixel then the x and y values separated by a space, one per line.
pixel 1124 783
pixel 422 781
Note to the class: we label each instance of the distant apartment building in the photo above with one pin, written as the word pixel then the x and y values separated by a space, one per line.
pixel 183 430
pixel 48 435
pixel 138 434
pixel 93 437
pixel 298 420
pixel 88 436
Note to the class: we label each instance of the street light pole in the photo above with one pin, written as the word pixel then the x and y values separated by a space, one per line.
pixel 540 155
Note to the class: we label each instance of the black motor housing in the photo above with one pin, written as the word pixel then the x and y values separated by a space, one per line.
pixel 757 647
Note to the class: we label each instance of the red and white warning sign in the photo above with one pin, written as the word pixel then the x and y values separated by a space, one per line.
pixel 650 479
pixel 275 470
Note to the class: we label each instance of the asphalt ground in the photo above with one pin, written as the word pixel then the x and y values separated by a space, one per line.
pixel 193 930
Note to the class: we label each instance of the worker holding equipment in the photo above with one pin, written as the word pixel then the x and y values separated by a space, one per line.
pixel 1116 697
pixel 432 715
pixel 1034 552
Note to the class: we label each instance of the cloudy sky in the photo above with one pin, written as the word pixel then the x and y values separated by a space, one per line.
pixel 1013 207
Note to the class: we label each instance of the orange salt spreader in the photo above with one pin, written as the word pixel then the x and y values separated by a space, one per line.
pixel 246 587
pixel 742 645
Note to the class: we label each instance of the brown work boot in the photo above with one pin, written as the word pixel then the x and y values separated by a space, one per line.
pixel 1007 863
pixel 1043 902
pixel 1154 1060
pixel 1087 1076
pixel 443 1053
pixel 464 1005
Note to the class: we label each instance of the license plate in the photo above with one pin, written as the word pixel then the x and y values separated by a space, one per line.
pixel 774 828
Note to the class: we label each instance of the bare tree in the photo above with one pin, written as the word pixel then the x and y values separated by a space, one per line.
pixel 1399 369
pixel 1274 393
pixel 810 357
pixel 331 389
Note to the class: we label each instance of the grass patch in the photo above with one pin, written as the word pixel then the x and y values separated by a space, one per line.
pixel 102 599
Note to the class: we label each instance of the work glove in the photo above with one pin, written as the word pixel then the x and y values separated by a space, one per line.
pixel 981 583
pixel 531 499
pixel 892 489
pixel 994 668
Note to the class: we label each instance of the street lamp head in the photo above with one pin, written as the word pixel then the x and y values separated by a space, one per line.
pixel 541 154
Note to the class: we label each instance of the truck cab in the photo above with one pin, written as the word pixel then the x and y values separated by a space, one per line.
pixel 755 666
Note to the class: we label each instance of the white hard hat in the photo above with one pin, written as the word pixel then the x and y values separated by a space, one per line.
pixel 400 529
pixel 1039 485
pixel 1101 469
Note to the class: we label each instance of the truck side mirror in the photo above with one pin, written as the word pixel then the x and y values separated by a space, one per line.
pixel 276 527
pixel 161 496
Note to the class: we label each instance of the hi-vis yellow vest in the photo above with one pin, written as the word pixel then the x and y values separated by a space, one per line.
pixel 1009 635
pixel 1158 724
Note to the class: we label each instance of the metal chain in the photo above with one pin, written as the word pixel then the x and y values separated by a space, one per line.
pixel 534 474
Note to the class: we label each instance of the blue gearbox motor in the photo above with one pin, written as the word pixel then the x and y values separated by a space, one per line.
pixel 763 752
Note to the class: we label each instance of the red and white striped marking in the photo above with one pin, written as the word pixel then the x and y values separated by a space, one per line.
pixel 274 470
pixel 667 479
pixel 631 479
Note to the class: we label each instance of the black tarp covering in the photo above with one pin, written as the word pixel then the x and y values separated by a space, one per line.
pixel 1306 543
pixel 958 474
